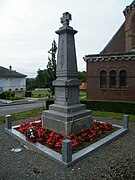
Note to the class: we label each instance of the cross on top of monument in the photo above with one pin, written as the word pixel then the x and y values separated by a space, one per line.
pixel 66 18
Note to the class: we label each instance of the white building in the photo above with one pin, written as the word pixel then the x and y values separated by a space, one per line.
pixel 12 80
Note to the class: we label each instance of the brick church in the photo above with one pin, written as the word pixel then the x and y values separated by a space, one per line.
pixel 111 74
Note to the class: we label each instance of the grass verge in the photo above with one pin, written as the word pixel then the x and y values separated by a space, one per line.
pixel 24 115
pixel 82 95
pixel 38 111
pixel 41 94
pixel 112 115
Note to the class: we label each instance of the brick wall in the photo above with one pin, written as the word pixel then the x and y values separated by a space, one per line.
pixel 95 92
pixel 122 43
pixel 129 29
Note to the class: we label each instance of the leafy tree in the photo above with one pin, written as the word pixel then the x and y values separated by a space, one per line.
pixel 51 66
pixel 82 76
pixel 30 83
pixel 42 78
pixel 45 77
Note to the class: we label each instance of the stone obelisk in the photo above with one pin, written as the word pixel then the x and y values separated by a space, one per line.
pixel 66 115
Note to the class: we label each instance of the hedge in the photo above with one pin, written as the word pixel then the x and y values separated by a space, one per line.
pixel 49 102
pixel 109 106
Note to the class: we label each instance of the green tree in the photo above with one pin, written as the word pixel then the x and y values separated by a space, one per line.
pixel 51 66
pixel 42 78
pixel 31 83
pixel 82 76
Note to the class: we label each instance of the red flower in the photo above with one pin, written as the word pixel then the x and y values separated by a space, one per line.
pixel 37 118
pixel 35 133
pixel 52 134
pixel 71 136
pixel 90 137
pixel 74 143
pixel 32 140
pixel 39 132
pixel 58 144
pixel 39 139
pixel 80 138
pixel 99 132
pixel 84 134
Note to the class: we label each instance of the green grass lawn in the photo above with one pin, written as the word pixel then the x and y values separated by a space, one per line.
pixel 38 111
pixel 82 95
pixel 41 94
pixel 24 115
pixel 112 115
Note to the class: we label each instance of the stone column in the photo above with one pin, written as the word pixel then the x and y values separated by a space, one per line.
pixel 8 122
pixel 66 150
pixel 66 115
pixel 125 121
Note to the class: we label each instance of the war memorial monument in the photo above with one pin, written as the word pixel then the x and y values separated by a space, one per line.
pixel 66 115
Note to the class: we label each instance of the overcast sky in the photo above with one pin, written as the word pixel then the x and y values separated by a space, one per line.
pixel 27 29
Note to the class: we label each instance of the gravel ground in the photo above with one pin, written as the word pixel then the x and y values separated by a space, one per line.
pixel 114 161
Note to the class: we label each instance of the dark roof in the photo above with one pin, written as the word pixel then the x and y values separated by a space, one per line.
pixel 110 57
pixel 4 72
pixel 117 43
pixel 129 8
pixel 132 3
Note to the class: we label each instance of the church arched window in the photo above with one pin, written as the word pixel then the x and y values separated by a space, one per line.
pixel 103 79
pixel 133 31
pixel 123 79
pixel 112 79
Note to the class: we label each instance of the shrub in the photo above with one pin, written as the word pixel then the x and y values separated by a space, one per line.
pixel 28 94
pixel 110 106
pixel 49 102
pixel 8 95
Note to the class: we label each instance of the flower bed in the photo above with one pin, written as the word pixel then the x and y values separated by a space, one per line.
pixel 35 133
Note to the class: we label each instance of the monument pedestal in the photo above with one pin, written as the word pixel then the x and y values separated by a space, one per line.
pixel 67 120
pixel 66 115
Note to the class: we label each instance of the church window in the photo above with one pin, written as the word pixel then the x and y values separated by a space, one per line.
pixel 133 31
pixel 123 79
pixel 103 79
pixel 112 79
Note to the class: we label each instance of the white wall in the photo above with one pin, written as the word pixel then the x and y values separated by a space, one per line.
pixel 12 83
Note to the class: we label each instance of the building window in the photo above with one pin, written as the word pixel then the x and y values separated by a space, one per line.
pixel 133 32
pixel 112 79
pixel 123 79
pixel 103 79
